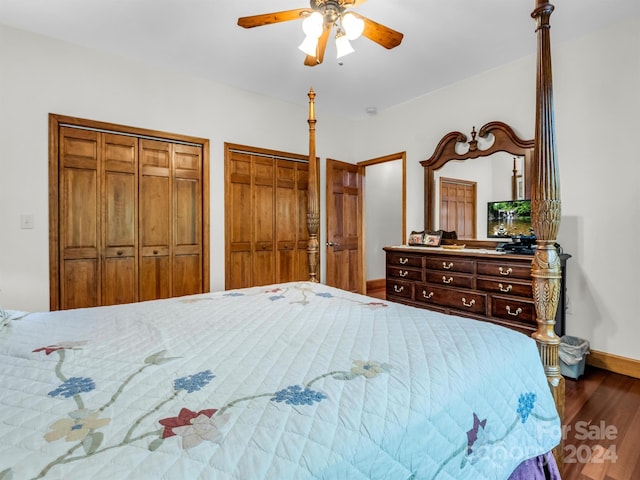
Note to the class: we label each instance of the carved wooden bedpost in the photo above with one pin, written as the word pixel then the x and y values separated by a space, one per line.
pixel 545 196
pixel 313 208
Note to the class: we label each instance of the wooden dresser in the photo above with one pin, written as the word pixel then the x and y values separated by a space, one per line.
pixel 480 284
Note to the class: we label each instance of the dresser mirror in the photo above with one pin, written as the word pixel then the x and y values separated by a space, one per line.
pixel 491 164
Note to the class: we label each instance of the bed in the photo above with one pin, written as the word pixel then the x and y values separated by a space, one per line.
pixel 292 381
pixel 546 270
pixel 289 381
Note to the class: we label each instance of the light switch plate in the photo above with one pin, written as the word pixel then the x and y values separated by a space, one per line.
pixel 26 221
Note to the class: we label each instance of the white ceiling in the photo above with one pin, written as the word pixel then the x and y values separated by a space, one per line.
pixel 444 41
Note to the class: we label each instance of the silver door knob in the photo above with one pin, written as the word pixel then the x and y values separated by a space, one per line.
pixel 331 244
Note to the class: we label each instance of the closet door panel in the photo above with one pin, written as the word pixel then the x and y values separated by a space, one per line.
pixel 155 281
pixel 239 269
pixel 187 248
pixel 155 210
pixel 120 213
pixel 80 214
pixel 127 213
pixel 302 234
pixel 79 285
pixel 265 218
pixel 238 225
pixel 187 261
pixel 186 275
pixel 120 204
pixel 120 280
pixel 79 218
pixel 263 221
pixel 286 216
pixel 187 227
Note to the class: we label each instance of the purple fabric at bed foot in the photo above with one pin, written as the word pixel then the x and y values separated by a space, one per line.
pixel 542 467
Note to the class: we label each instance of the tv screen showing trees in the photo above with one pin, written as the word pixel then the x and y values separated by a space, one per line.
pixel 509 218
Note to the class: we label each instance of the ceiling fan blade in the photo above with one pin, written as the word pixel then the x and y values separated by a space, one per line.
pixel 381 34
pixel 269 18
pixel 310 61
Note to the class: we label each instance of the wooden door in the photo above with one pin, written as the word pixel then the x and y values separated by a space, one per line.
pixel 249 220
pixel 458 207
pixel 265 217
pixel 238 223
pixel 80 217
pixel 290 220
pixel 302 237
pixel 187 220
pixel 155 219
pixel 119 219
pixel 344 226
pixel 286 220
pixel 128 214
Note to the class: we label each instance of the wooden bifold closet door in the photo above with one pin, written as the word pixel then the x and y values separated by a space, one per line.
pixel 265 217
pixel 128 214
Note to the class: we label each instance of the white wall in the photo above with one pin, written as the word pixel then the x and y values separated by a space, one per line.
pixel 597 100
pixel 39 76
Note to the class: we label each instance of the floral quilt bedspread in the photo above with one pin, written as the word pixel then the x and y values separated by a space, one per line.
pixel 289 381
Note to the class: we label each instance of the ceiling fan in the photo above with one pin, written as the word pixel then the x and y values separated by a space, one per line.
pixel 318 22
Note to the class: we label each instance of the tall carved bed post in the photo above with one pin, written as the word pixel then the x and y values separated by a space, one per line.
pixel 545 196
pixel 313 205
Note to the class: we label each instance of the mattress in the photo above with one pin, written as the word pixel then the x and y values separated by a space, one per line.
pixel 288 381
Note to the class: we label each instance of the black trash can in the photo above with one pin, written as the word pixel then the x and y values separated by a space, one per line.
pixel 572 352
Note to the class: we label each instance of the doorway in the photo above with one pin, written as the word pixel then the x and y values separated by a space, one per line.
pixel 384 214
pixel 359 224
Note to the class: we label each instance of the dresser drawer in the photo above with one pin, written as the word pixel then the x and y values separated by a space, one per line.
pixel 510 309
pixel 406 273
pixel 398 288
pixel 450 264
pixel 512 287
pixel 450 279
pixel 404 260
pixel 505 269
pixel 452 298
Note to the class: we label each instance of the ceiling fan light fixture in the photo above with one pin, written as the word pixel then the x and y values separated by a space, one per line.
pixel 309 45
pixel 343 47
pixel 312 25
pixel 352 25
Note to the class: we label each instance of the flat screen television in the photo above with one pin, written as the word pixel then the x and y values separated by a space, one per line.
pixel 509 218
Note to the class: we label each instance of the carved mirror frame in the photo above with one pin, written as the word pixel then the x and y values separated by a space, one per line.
pixel 505 140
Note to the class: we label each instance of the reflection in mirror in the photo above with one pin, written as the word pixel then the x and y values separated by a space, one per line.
pixel 461 184
pixel 465 173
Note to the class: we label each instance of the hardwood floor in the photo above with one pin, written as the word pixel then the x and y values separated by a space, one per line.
pixel 602 427
pixel 602 424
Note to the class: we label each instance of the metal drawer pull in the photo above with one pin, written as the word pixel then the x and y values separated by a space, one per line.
pixel 404 273
pixel 447 266
pixel 445 280
pixel 516 313
pixel 470 304
pixel 502 289
pixel 427 295
pixel 507 272
pixel 403 261
pixel 398 289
